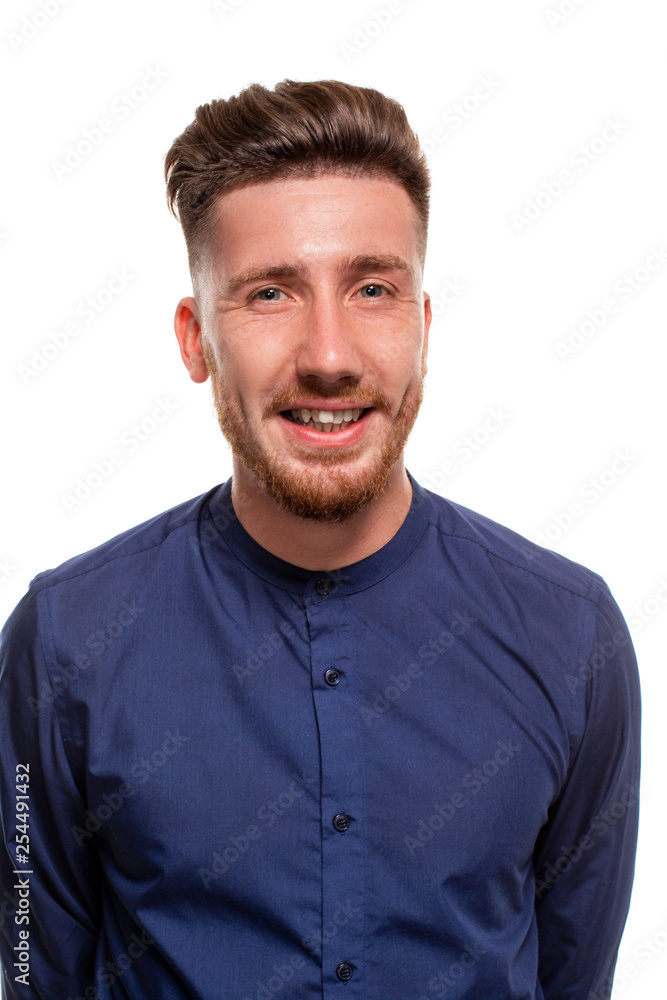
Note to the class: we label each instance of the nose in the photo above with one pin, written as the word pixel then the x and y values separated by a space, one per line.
pixel 328 348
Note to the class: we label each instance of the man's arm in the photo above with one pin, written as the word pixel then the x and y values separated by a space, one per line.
pixel 48 914
pixel 585 855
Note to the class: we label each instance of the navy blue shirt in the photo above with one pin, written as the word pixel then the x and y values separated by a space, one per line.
pixel 411 778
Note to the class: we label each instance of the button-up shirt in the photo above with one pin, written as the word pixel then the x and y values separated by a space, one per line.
pixel 226 777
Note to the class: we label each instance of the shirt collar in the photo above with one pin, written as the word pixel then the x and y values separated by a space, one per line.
pixel 347 580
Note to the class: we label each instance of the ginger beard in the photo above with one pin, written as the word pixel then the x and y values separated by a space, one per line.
pixel 326 491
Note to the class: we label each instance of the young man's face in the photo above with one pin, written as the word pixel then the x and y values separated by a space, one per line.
pixel 313 302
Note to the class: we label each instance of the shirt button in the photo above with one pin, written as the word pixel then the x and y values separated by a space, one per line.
pixel 341 823
pixel 332 676
pixel 344 971
pixel 324 586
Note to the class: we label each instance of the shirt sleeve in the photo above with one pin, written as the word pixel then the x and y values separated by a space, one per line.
pixel 49 881
pixel 585 854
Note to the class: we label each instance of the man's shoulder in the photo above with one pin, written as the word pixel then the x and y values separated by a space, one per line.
pixel 135 544
pixel 509 552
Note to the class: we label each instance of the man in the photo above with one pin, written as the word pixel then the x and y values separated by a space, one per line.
pixel 318 732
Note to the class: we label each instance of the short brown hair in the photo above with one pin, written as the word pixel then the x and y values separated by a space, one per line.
pixel 297 129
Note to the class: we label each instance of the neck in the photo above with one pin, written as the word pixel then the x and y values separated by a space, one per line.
pixel 317 545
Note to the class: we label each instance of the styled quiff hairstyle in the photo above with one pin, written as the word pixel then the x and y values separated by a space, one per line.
pixel 298 129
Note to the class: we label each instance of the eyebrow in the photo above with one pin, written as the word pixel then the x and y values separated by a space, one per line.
pixel 354 265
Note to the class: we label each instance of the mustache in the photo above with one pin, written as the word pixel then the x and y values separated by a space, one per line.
pixel 288 397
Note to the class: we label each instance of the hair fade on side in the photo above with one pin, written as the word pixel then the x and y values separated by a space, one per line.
pixel 298 129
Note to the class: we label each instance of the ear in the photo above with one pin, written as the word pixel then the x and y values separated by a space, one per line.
pixel 187 327
pixel 428 316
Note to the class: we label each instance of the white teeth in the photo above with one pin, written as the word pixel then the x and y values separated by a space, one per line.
pixel 327 420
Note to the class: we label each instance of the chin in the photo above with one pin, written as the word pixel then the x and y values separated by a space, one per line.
pixel 331 496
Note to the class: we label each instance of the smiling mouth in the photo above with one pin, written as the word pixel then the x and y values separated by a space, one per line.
pixel 329 421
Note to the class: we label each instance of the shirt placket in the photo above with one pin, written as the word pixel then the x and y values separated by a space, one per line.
pixel 342 816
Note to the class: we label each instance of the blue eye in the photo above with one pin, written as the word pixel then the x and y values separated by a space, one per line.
pixel 375 291
pixel 272 293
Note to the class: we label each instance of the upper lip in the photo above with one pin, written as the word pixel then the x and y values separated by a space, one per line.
pixel 320 405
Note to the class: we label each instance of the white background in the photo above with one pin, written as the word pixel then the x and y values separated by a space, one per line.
pixel 553 81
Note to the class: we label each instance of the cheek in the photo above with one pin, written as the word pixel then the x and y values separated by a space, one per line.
pixel 400 369
pixel 255 377
pixel 397 353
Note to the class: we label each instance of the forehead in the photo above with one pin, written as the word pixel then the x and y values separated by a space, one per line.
pixel 314 220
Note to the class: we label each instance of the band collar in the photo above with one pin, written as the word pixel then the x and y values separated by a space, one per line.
pixel 347 580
